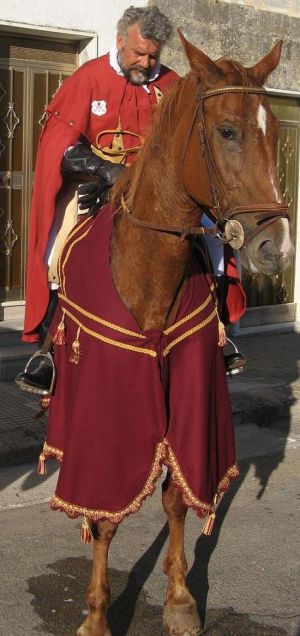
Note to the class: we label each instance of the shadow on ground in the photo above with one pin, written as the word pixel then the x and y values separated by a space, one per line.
pixel 59 602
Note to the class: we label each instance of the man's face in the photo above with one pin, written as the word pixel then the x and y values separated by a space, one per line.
pixel 137 56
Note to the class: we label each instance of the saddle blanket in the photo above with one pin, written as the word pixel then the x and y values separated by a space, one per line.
pixel 128 401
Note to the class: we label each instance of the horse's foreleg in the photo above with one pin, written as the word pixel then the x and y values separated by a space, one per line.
pixel 98 594
pixel 180 611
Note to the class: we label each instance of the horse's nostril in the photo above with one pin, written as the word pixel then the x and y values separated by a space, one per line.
pixel 269 251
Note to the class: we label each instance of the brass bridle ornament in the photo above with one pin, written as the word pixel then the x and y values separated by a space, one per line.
pixel 227 228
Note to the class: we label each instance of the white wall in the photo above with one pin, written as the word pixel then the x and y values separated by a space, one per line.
pixel 94 16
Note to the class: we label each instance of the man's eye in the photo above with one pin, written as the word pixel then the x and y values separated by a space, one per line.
pixel 226 132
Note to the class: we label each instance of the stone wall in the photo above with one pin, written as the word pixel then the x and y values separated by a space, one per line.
pixel 245 33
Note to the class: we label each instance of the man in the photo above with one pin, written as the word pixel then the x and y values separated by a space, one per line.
pixel 107 103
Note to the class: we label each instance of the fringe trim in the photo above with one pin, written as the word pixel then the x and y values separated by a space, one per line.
pixel 163 455
pixel 75 511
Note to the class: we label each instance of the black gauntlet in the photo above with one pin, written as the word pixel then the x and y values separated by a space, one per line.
pixel 92 195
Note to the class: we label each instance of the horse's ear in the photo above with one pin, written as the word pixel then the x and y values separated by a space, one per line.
pixel 264 67
pixel 200 63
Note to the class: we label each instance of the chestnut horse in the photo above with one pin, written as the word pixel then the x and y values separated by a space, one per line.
pixel 212 145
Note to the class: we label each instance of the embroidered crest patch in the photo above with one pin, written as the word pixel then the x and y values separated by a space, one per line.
pixel 99 107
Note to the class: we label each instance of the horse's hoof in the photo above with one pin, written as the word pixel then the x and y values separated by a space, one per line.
pixel 89 628
pixel 181 620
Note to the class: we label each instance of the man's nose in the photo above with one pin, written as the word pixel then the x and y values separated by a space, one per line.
pixel 145 61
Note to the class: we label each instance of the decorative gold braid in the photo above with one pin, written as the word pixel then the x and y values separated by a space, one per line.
pixel 62 277
pixel 73 510
pixel 189 316
pixel 202 324
pixel 101 321
pixel 115 343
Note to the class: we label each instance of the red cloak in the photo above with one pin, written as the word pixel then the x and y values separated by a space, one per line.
pixel 69 116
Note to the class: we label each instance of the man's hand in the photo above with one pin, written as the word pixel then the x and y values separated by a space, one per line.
pixel 81 160
pixel 92 196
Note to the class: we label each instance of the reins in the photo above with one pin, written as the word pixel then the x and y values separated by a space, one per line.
pixel 227 228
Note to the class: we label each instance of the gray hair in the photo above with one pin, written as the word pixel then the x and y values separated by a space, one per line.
pixel 153 24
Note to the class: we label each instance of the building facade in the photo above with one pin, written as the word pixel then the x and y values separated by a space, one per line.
pixel 42 43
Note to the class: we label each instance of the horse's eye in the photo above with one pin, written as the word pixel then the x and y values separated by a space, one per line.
pixel 226 133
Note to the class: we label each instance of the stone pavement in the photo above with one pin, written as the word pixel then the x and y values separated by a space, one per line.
pixel 266 394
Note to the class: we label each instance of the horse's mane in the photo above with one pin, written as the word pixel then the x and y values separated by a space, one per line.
pixel 154 158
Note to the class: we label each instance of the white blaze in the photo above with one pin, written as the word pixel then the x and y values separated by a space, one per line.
pixel 262 118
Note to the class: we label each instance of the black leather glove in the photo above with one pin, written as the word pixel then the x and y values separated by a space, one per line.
pixel 92 195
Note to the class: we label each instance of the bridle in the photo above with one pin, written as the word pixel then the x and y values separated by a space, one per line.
pixel 227 228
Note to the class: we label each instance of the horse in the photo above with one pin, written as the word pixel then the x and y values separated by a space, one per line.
pixel 211 146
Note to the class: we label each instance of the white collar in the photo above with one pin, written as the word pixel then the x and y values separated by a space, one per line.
pixel 113 60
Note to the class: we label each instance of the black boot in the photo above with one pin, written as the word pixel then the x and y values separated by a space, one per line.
pixel 41 378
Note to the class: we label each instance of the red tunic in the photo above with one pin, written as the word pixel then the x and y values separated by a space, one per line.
pixel 70 115
pixel 136 399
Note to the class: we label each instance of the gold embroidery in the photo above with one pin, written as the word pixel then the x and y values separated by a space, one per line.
pixel 122 345
pixel 101 321
pixel 189 316
pixel 116 517
pixel 190 332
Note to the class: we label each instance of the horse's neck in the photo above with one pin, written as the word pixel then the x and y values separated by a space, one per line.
pixel 148 269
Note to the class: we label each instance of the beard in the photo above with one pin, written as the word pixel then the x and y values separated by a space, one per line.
pixel 135 74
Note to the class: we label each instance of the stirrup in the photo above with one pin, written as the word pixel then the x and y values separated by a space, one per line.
pixel 41 379
pixel 234 362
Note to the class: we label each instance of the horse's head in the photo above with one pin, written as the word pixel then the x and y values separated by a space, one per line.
pixel 236 133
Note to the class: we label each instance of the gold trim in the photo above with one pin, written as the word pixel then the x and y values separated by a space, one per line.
pixel 73 510
pixel 62 265
pixel 115 343
pixel 188 497
pixel 101 321
pixel 52 451
pixel 202 324
pixel 189 316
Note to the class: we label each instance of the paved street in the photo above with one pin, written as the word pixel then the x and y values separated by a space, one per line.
pixel 245 577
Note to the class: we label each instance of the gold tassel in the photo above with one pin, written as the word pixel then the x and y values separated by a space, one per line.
pixel 85 535
pixel 76 348
pixel 207 528
pixel 59 337
pixel 42 470
pixel 222 335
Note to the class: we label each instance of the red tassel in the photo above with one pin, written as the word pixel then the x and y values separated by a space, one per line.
pixel 208 527
pixel 85 535
pixel 75 349
pixel 42 470
pixel 44 405
pixel 59 337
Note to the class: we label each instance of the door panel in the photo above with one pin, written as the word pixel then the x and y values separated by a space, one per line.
pixel 264 293
pixel 30 72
